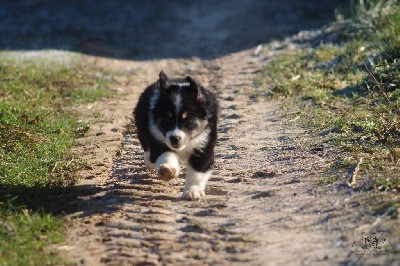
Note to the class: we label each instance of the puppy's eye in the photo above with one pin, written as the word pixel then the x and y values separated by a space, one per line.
pixel 191 126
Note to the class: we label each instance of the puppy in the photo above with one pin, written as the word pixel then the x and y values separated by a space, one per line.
pixel 176 121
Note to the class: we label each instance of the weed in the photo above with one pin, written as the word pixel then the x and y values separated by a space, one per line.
pixel 344 162
pixel 388 207
pixel 327 179
pixel 197 226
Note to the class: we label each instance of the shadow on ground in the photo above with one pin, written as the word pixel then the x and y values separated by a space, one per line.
pixel 142 29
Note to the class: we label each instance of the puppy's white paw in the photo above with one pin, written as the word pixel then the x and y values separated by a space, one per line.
pixel 167 172
pixel 193 193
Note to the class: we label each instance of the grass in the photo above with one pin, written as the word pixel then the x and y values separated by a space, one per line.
pixel 25 236
pixel 36 163
pixel 352 89
pixel 327 179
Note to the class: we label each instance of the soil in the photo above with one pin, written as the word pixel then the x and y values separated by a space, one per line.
pixel 265 203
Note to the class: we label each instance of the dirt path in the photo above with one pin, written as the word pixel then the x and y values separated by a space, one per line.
pixel 264 205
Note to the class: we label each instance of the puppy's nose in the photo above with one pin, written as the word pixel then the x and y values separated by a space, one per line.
pixel 174 139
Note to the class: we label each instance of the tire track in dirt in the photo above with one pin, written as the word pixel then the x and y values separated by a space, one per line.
pixel 138 219
pixel 264 204
pixel 169 230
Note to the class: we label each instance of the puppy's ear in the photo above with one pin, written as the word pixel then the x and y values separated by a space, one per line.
pixel 196 87
pixel 191 80
pixel 163 80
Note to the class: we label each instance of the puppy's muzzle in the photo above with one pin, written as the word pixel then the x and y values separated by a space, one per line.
pixel 175 141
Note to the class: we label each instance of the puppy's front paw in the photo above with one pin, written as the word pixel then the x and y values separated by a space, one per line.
pixel 166 172
pixel 193 193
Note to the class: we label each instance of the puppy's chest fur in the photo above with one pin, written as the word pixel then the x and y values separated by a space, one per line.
pixel 194 145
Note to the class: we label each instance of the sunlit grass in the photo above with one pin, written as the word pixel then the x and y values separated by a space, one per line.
pixel 37 133
pixel 352 88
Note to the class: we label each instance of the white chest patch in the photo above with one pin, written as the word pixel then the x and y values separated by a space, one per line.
pixel 198 143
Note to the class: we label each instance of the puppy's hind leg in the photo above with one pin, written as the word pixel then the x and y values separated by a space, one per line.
pixel 147 162
pixel 167 166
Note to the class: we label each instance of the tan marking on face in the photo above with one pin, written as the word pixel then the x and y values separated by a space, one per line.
pixel 184 115
pixel 201 125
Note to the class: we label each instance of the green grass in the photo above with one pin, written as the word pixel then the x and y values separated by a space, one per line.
pixel 37 133
pixel 25 236
pixel 353 89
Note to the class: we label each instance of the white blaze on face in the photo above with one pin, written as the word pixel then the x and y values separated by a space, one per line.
pixel 178 104
pixel 176 132
pixel 178 99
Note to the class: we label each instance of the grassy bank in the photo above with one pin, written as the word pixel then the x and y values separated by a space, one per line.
pixel 350 90
pixel 36 136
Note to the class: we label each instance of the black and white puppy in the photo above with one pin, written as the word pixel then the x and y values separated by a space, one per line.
pixel 176 121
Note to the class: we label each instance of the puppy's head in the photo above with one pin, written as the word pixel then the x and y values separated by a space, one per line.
pixel 179 111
